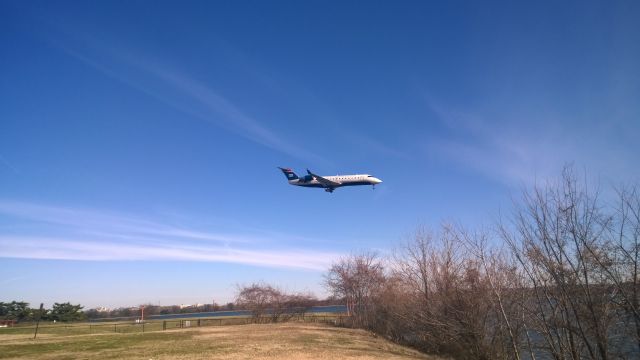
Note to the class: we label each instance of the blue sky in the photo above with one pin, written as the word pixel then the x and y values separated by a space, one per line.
pixel 139 140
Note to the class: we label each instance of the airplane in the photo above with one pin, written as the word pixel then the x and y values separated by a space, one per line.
pixel 329 183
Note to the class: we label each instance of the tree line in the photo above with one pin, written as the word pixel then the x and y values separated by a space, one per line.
pixel 151 309
pixel 21 311
pixel 265 303
pixel 557 278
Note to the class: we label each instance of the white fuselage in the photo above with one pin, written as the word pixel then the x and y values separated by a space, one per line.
pixel 342 180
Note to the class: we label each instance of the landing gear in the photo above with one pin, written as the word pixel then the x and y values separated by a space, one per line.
pixel 329 190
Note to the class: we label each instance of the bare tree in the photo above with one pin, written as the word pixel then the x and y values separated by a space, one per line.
pixel 560 237
pixel 261 299
pixel 624 272
pixel 268 303
pixel 617 259
pixel 502 278
pixel 357 279
pixel 560 278
pixel 457 298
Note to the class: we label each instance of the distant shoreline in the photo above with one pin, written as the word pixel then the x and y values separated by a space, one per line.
pixel 331 309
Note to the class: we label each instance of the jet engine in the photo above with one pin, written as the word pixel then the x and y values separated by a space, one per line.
pixel 306 179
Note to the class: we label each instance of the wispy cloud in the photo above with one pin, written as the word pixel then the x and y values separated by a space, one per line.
pixel 229 115
pixel 101 222
pixel 494 151
pixel 8 165
pixel 374 145
pixel 12 279
pixel 522 151
pixel 88 249
pixel 50 232
pixel 172 86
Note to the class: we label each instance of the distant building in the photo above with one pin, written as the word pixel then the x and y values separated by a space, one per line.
pixel 186 306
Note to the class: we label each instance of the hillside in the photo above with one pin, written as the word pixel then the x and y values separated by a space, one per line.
pixel 269 341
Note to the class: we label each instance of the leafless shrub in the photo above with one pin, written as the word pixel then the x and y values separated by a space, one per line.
pixel 456 295
pixel 558 278
pixel 570 248
pixel 270 304
pixel 358 279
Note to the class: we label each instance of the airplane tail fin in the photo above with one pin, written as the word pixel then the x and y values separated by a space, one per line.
pixel 288 173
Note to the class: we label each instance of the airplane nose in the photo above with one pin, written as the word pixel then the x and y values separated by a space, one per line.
pixel 378 181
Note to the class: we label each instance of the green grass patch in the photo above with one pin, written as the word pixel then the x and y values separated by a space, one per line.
pixel 111 346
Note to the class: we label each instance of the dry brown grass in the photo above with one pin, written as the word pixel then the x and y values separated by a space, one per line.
pixel 267 341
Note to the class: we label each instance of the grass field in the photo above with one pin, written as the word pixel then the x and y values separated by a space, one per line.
pixel 86 328
pixel 265 341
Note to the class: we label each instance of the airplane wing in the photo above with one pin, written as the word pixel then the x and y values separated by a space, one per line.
pixel 324 181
